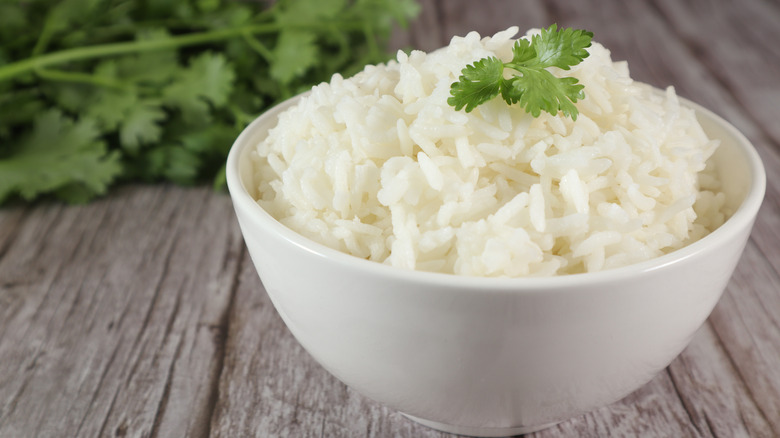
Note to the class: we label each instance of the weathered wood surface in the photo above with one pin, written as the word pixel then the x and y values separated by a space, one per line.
pixel 141 314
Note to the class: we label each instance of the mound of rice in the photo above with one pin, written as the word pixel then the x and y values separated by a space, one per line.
pixel 381 167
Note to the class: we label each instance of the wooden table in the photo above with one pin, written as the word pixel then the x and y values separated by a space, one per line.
pixel 141 314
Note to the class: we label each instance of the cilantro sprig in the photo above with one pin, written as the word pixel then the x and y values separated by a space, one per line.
pixel 530 84
pixel 95 92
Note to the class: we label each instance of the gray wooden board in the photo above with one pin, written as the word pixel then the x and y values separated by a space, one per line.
pixel 141 314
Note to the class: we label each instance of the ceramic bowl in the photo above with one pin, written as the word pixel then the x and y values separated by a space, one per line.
pixel 495 356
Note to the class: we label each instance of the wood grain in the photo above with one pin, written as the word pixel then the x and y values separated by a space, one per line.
pixel 141 314
pixel 114 314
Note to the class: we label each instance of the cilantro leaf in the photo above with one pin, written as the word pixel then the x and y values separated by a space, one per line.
pixel 94 91
pixel 292 11
pixel 479 83
pixel 12 20
pixel 59 155
pixel 208 80
pixel 109 108
pixel 152 67
pixel 561 48
pixel 539 90
pixel 185 154
pixel 141 125
pixel 294 54
pixel 522 51
pixel 296 50
pixel 531 85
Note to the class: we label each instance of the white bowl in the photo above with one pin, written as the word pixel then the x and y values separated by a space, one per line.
pixel 495 356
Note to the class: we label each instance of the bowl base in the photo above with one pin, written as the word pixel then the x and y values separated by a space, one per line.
pixel 479 431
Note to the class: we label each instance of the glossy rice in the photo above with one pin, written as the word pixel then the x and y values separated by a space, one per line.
pixel 381 167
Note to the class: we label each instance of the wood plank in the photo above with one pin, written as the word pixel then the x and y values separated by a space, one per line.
pixel 715 396
pixel 117 314
pixel 10 225
pixel 487 18
pixel 424 33
pixel 738 43
pixel 747 321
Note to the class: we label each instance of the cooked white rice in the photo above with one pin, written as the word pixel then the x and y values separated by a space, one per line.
pixel 381 167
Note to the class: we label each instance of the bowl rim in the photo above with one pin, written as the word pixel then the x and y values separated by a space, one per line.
pixel 743 217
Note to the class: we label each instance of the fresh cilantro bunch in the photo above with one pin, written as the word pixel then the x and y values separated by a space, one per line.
pixel 530 83
pixel 98 91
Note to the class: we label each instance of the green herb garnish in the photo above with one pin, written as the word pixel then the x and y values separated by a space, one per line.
pixel 98 91
pixel 531 84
